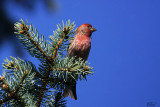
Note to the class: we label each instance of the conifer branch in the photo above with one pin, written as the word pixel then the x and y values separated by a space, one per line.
pixel 58 98
pixel 45 82
pixel 16 81
pixel 24 85
pixel 13 93
pixel 43 89
pixel 10 96
pixel 86 68
pixel 57 47
pixel 37 45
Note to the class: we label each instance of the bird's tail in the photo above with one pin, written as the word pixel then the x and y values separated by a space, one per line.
pixel 70 91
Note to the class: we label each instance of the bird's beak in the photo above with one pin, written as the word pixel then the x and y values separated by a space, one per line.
pixel 93 29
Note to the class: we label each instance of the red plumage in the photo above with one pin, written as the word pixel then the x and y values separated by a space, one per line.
pixel 79 46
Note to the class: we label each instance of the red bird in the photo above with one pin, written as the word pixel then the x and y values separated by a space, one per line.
pixel 80 47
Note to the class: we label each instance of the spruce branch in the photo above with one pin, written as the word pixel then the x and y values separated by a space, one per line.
pixel 36 46
pixel 13 93
pixel 59 100
pixel 45 81
pixel 16 80
pixel 24 85
pixel 71 67
pixel 43 89
pixel 60 37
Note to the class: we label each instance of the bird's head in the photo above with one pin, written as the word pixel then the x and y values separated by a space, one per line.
pixel 85 29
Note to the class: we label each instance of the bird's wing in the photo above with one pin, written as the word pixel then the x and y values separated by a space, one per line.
pixel 85 53
pixel 70 50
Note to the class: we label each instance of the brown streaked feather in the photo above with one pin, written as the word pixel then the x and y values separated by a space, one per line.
pixel 70 47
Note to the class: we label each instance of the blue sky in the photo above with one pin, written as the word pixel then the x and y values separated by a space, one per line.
pixel 125 50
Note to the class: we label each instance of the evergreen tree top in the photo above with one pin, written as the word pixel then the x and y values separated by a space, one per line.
pixel 25 85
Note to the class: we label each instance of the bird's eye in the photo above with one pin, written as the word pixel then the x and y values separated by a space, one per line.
pixel 88 26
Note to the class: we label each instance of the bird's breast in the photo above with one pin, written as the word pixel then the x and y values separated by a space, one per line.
pixel 83 43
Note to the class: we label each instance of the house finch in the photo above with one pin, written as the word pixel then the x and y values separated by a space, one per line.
pixel 80 47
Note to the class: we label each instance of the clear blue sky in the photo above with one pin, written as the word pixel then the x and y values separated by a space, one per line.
pixel 125 50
